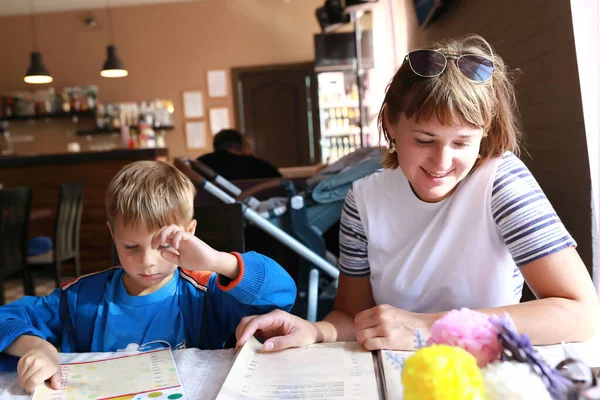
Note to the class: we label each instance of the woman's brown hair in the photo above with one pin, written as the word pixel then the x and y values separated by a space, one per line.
pixel 453 99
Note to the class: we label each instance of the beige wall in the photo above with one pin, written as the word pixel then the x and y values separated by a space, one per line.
pixel 166 48
pixel 537 37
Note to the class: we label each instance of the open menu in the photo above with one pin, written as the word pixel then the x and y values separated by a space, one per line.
pixel 343 370
pixel 147 375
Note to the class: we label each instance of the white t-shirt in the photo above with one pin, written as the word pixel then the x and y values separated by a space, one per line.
pixel 464 251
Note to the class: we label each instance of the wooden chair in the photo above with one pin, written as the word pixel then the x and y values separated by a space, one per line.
pixel 65 245
pixel 15 206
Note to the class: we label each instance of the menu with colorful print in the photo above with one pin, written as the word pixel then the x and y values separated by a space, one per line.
pixel 148 375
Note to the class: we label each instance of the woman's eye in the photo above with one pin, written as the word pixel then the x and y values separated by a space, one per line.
pixel 462 145
pixel 131 247
pixel 424 142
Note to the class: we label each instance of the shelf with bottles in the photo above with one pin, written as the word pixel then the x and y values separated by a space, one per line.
pixel 340 118
pixel 89 113
pixel 339 104
pixel 353 130
pixel 157 114
pixel 335 147
pixel 112 116
pixel 106 131
pixel 71 102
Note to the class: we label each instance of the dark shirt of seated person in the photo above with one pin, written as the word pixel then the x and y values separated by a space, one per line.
pixel 233 159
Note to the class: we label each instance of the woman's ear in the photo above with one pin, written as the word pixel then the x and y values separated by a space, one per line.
pixel 387 123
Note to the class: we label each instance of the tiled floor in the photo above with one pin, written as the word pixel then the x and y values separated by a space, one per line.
pixel 13 289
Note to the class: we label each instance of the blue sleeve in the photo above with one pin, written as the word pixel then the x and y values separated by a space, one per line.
pixel 30 315
pixel 262 286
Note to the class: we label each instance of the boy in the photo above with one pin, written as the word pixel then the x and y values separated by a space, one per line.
pixel 172 287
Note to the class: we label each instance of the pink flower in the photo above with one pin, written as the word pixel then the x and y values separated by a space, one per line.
pixel 469 330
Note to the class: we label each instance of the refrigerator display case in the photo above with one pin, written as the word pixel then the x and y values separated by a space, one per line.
pixel 340 113
pixel 344 67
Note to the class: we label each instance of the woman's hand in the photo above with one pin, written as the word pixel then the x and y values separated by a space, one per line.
pixel 283 330
pixel 387 327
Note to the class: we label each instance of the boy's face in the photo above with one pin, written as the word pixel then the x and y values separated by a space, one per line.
pixel 146 270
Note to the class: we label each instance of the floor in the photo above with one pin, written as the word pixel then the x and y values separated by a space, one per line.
pixel 13 288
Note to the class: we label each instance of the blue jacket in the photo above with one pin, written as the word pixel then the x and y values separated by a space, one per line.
pixel 94 313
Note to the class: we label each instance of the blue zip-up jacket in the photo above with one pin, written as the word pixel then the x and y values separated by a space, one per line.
pixel 94 313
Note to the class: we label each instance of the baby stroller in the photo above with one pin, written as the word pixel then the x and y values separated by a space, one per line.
pixel 299 220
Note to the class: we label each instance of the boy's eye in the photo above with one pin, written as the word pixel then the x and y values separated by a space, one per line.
pixel 131 247
pixel 462 145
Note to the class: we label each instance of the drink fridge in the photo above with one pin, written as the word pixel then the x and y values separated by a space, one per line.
pixel 340 113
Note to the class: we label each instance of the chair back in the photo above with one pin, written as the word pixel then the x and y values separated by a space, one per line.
pixel 15 206
pixel 68 221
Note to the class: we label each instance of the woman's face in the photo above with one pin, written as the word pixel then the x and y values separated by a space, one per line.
pixel 433 157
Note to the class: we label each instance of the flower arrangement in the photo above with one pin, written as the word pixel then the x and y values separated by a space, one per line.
pixel 471 355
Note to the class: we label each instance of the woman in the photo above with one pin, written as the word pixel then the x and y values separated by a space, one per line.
pixel 454 219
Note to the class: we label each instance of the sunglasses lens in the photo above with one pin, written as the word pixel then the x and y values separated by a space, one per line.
pixel 577 372
pixel 427 63
pixel 476 68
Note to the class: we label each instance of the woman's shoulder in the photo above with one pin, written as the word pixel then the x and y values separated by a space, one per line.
pixel 509 169
pixel 375 178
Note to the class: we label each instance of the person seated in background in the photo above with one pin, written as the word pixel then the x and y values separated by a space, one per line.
pixel 233 159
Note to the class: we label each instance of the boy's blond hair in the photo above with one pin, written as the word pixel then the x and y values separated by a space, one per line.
pixel 452 98
pixel 153 193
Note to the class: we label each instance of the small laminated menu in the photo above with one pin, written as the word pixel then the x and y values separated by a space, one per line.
pixel 148 375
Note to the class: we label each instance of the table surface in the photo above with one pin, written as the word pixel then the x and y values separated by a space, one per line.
pixel 202 372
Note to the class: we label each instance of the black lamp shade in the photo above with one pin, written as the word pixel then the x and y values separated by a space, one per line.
pixel 113 67
pixel 37 72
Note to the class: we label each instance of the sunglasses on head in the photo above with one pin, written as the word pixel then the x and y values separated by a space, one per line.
pixel 431 63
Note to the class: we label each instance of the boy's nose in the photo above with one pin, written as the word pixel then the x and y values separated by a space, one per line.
pixel 148 258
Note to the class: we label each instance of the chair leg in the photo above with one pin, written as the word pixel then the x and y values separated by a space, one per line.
pixel 28 286
pixel 2 299
pixel 77 266
pixel 57 274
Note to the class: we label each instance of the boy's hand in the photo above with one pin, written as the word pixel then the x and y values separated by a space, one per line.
pixel 189 252
pixel 37 365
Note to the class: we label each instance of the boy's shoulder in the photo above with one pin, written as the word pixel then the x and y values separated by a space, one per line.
pixel 198 279
pixel 94 278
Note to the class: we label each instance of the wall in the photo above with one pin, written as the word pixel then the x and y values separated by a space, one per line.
pixel 586 19
pixel 537 37
pixel 167 49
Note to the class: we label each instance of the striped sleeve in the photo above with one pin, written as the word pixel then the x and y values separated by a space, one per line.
pixel 353 241
pixel 529 225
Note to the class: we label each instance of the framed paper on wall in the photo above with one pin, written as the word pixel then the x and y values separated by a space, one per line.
pixel 195 135
pixel 193 104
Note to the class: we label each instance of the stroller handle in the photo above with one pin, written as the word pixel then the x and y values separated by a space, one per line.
pixel 212 176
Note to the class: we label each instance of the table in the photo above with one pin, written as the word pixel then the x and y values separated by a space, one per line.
pixel 202 372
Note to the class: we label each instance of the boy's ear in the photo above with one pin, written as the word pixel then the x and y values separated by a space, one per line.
pixel 192 227
pixel 110 229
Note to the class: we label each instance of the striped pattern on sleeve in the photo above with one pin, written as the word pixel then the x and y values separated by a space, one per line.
pixel 353 241
pixel 528 223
